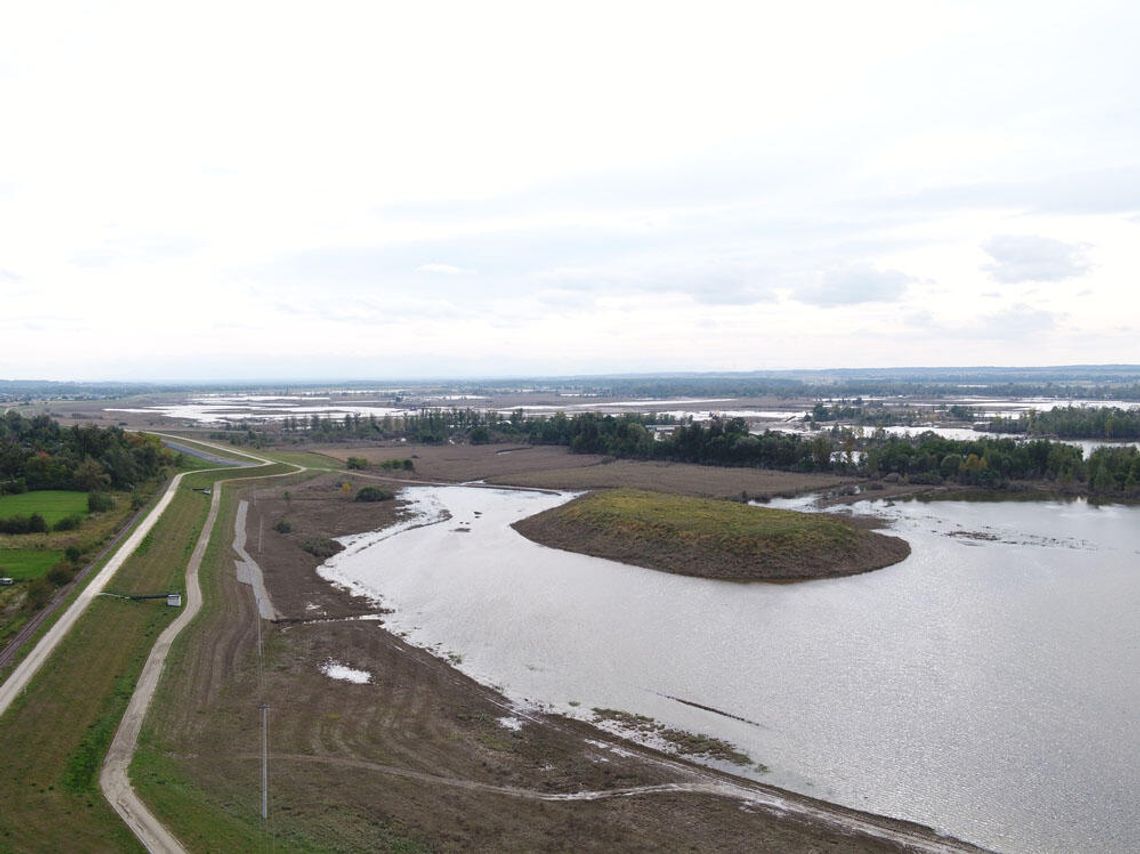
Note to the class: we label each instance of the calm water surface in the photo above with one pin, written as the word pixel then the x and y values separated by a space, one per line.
pixel 988 686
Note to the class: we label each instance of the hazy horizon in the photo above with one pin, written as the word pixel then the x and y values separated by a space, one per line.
pixel 1102 373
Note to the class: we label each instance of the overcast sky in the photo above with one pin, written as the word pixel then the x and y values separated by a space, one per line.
pixel 343 190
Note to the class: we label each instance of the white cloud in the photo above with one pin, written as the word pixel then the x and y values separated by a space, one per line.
pixel 854 285
pixel 1026 258
pixel 445 269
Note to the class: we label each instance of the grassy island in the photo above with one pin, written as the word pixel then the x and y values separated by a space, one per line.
pixel 711 538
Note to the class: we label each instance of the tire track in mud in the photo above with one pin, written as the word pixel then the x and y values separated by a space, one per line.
pixel 769 800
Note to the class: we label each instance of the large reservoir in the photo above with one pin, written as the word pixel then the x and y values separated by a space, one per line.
pixel 987 686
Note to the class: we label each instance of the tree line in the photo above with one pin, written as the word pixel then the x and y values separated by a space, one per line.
pixel 38 453
pixel 1072 422
pixel 926 458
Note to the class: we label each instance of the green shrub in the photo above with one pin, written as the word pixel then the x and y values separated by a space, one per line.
pixel 99 502
pixel 34 524
pixel 60 574
pixel 374 493
pixel 322 547
pixel 283 526
pixel 356 463
pixel 68 523
pixel 40 592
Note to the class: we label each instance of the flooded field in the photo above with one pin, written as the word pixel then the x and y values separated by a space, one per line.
pixel 986 686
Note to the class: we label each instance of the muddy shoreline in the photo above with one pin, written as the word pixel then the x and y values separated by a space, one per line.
pixel 423 750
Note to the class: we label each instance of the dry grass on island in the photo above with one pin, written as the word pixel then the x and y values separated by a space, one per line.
pixel 711 538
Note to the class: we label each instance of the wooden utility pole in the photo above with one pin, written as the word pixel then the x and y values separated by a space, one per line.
pixel 264 761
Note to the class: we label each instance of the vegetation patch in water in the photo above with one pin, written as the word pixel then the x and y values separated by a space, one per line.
pixel 711 538
pixel 685 743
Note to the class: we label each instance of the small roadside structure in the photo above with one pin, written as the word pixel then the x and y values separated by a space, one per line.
pixel 173 600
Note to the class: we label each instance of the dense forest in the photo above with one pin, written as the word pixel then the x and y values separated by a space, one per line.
pixel 1073 422
pixel 37 453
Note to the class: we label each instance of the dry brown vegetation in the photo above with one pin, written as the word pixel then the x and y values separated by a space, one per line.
pixel 551 467
pixel 682 478
pixel 460 463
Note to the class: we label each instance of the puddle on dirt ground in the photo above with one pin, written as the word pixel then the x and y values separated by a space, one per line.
pixel 337 670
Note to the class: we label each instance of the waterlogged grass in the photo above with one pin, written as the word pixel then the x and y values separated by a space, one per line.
pixel 27 564
pixel 726 525
pixel 684 742
pixel 52 504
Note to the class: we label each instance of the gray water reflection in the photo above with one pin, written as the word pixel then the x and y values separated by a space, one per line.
pixel 987 686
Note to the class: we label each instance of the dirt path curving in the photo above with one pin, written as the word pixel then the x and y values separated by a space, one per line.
pixel 763 797
pixel 114 779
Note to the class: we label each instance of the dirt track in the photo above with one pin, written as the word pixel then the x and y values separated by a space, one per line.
pixel 114 779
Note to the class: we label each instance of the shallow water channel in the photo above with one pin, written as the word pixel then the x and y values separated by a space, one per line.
pixel 988 686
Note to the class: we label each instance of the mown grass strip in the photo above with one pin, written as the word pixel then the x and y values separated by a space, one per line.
pixel 55 735
pixel 308 459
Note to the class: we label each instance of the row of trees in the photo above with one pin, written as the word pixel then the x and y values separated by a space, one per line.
pixel 37 453
pixel 926 458
pixel 1073 422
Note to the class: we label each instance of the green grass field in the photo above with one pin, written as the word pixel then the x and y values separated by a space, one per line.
pixel 52 504
pixel 26 564
pixel 727 524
